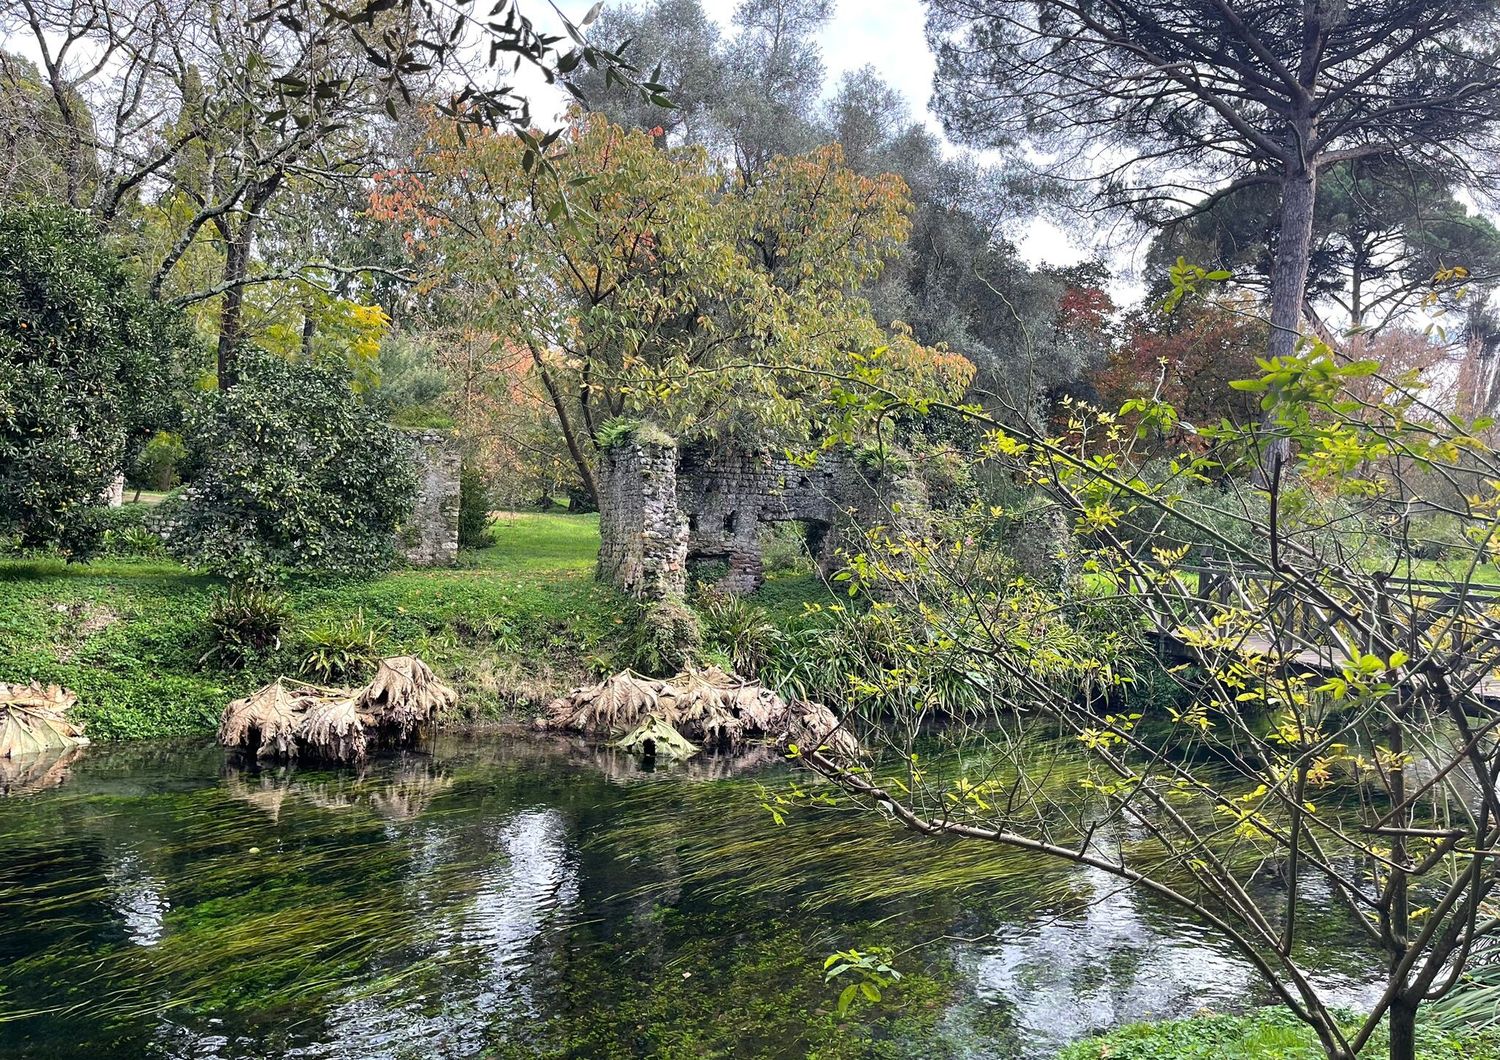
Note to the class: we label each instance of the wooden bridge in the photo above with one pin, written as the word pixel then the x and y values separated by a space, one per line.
pixel 1318 622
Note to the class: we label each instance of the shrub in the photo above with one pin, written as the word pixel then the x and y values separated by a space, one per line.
pixel 245 623
pixel 293 472
pixel 738 629
pixel 664 639
pixel 88 367
pixel 345 651
pixel 473 508
pixel 133 541
pixel 128 531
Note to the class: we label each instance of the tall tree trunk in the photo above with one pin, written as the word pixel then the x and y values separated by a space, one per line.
pixel 309 330
pixel 566 423
pixel 1299 189
pixel 236 266
pixel 239 241
pixel 1403 1027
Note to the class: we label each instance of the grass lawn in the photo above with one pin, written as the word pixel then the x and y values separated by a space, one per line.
pixel 511 626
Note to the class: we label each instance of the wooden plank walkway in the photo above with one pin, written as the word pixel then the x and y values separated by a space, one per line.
pixel 1433 617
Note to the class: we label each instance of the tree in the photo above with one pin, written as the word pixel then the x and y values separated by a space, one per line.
pixel 291 472
pixel 88 370
pixel 1387 237
pixel 1176 104
pixel 957 281
pixel 1327 733
pixel 231 106
pixel 748 98
pixel 1186 359
pixel 717 307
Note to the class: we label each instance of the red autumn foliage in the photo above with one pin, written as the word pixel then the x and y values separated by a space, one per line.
pixel 1187 359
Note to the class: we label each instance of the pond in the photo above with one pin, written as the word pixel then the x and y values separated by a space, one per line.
pixel 505 896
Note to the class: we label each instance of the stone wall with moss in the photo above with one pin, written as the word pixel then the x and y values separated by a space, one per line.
pixel 665 511
pixel 643 532
pixel 429 536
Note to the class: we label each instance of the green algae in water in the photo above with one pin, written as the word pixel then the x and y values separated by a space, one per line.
pixel 509 898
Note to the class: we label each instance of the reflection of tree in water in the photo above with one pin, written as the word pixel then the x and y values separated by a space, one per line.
pixel 399 789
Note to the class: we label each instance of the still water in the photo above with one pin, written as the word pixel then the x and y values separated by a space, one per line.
pixel 507 897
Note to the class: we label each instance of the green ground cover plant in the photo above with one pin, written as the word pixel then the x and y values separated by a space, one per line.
pixel 515 623
pixel 1263 1034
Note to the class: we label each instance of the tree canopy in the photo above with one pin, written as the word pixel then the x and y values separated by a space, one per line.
pixel 89 369
pixel 717 306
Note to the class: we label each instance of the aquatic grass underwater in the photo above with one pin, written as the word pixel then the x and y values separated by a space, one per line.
pixel 509 897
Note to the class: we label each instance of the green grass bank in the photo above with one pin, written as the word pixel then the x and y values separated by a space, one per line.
pixel 1263 1034
pixel 509 626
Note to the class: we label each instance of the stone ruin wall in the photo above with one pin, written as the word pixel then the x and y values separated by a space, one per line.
pixel 643 533
pixel 663 511
pixel 429 536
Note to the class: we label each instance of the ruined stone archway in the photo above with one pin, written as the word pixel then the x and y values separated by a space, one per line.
pixel 664 508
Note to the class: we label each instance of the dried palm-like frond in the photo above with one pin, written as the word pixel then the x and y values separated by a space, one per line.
pixel 330 729
pixel 703 702
pixel 707 707
pixel 656 737
pixel 615 705
pixel 405 697
pixel 264 722
pixel 812 726
pixel 33 718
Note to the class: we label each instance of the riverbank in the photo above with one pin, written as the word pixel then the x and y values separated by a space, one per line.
pixel 1263 1034
pixel 512 625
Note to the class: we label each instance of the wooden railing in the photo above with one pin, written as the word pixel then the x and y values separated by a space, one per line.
pixel 1322 620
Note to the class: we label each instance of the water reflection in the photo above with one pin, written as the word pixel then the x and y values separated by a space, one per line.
pixel 31 773
pixel 398 789
pixel 507 898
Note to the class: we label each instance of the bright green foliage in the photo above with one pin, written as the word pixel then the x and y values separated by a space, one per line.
pixel 870 973
pixel 344 651
pixel 87 369
pixel 293 473
pixel 1267 1034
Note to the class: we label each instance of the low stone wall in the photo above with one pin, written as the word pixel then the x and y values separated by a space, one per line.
pixel 429 536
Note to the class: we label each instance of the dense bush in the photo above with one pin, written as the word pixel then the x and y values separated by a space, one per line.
pixel 473 508
pixel 291 472
pixel 245 624
pixel 88 368
pixel 738 629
